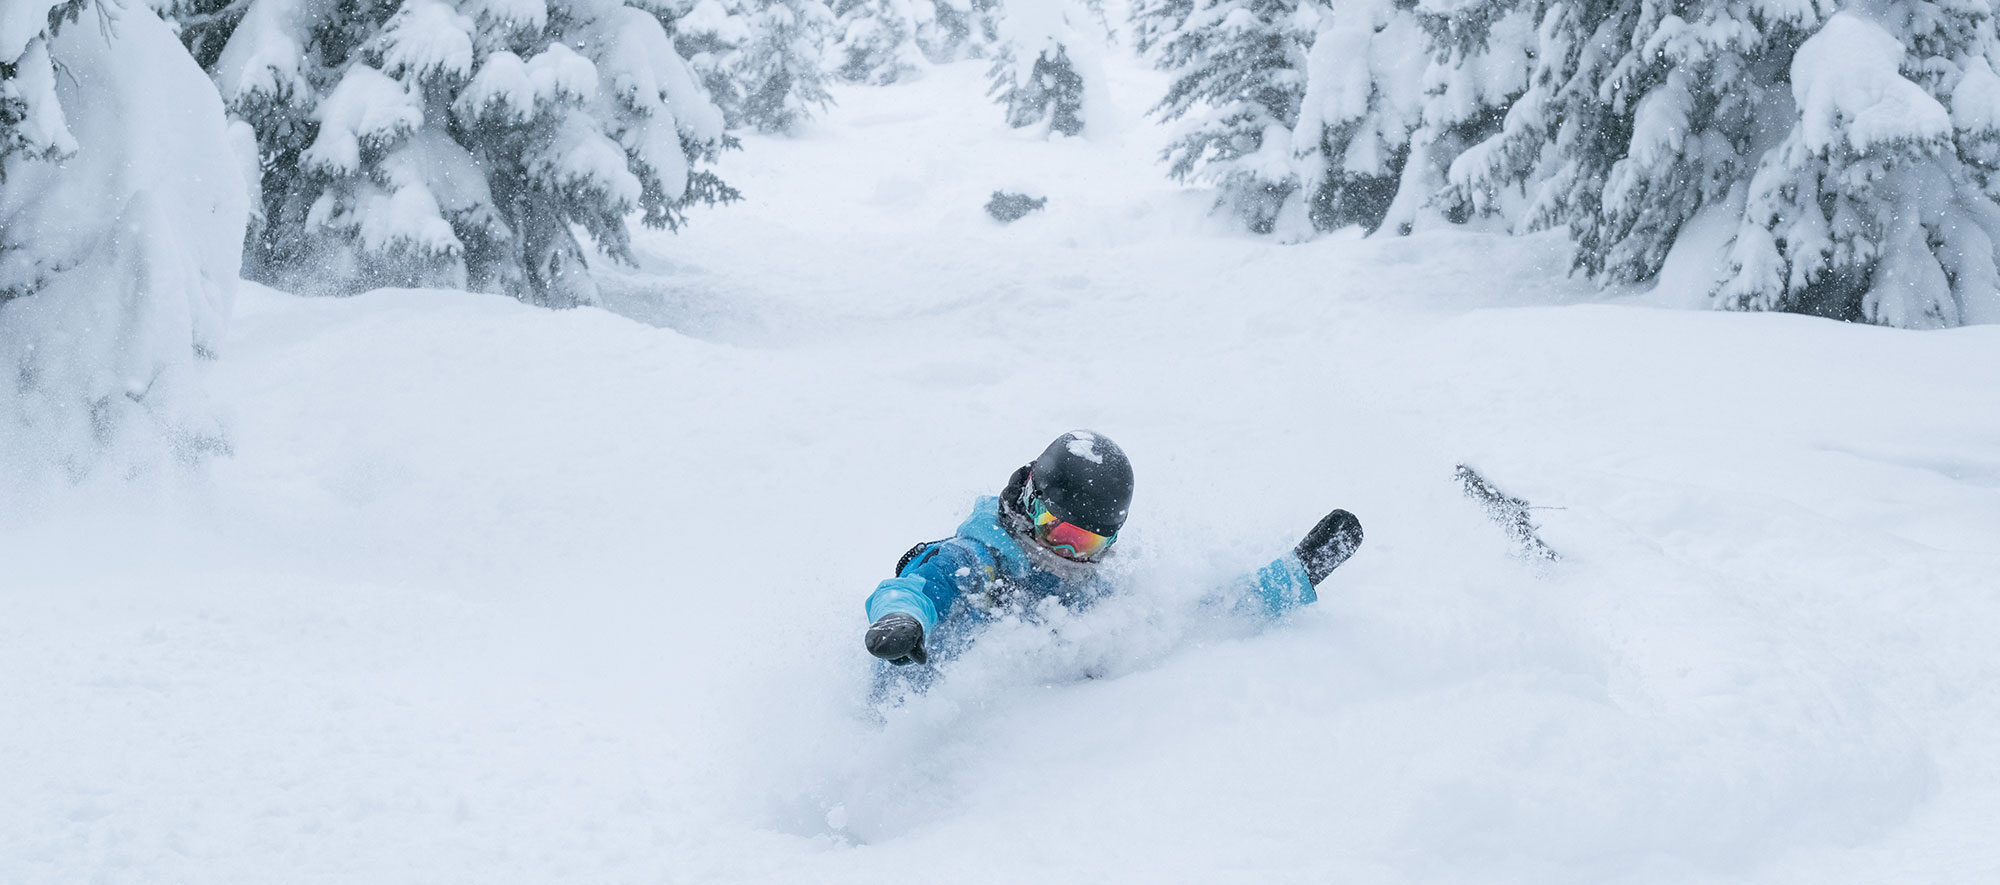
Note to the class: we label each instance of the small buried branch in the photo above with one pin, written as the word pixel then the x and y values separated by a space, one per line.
pixel 1511 513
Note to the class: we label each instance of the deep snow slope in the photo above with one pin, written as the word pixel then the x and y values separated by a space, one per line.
pixel 494 594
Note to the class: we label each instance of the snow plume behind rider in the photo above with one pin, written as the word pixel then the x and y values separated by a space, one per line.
pixel 1046 536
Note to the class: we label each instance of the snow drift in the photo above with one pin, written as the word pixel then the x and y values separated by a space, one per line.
pixel 501 594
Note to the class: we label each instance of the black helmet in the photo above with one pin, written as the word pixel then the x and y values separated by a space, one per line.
pixel 1084 479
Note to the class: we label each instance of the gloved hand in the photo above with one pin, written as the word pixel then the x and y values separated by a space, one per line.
pixel 1328 545
pixel 897 638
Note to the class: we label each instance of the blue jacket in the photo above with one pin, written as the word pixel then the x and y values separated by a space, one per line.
pixel 964 578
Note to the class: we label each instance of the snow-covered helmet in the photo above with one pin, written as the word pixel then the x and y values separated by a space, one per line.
pixel 1082 479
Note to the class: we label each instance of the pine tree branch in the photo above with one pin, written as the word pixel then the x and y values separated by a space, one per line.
pixel 1509 512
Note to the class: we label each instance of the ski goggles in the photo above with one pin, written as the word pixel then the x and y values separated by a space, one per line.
pixel 1067 540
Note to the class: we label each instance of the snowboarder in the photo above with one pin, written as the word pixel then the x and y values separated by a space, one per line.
pixel 1046 536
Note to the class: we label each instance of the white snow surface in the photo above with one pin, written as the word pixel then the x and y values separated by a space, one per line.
pixel 490 593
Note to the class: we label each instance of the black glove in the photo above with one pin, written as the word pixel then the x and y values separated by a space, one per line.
pixel 1328 545
pixel 898 639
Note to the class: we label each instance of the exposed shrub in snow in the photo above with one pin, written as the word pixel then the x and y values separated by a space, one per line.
pixel 1238 70
pixel 761 60
pixel 122 213
pixel 490 144
pixel 1043 71
pixel 1007 207
pixel 1509 512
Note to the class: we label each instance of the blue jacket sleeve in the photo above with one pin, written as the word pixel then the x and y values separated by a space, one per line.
pixel 1270 592
pixel 933 580
pixel 1283 585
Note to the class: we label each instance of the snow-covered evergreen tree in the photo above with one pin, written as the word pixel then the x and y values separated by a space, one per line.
pixel 33 127
pixel 784 65
pixel 204 25
pixel 1853 145
pixel 1860 150
pixel 1635 117
pixel 885 41
pixel 949 30
pixel 709 34
pixel 1155 21
pixel 1386 81
pixel 122 213
pixel 1044 71
pixel 1362 102
pixel 490 144
pixel 1878 205
pixel 1480 55
pixel 760 60
pixel 1239 78
pixel 877 42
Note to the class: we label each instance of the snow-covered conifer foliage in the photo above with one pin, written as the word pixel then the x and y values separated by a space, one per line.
pixel 877 42
pixel 1154 21
pixel 1238 70
pixel 1878 206
pixel 1436 79
pixel 884 41
pixel 1856 143
pixel 1634 118
pixel 204 25
pixel 465 143
pixel 1376 83
pixel 760 60
pixel 1859 150
pixel 31 115
pixel 1043 71
pixel 122 213
pixel 1361 104
pixel 949 30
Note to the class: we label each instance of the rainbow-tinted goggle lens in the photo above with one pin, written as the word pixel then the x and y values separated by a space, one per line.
pixel 1066 540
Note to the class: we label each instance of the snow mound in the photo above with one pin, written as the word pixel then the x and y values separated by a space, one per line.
pixel 499 594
